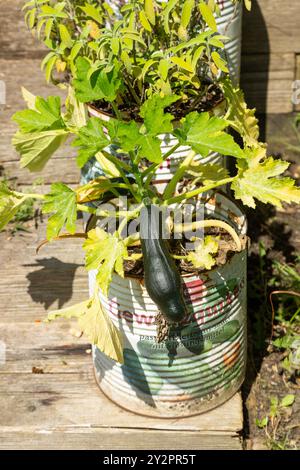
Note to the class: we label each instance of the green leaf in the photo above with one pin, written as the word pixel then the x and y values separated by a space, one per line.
pixel 150 148
pixel 287 401
pixel 95 325
pixel 163 68
pixel 241 118
pixel 144 21
pixel 37 147
pixel 259 177
pixel 45 116
pixel 202 257
pixel 91 139
pixel 128 136
pixel 156 120
pixel 62 202
pixel 219 62
pixel 262 423
pixel 92 12
pixel 104 252
pixel 166 14
pixel 100 86
pixel 65 36
pixel 150 11
pixel 124 134
pixel 187 12
pixel 10 203
pixel 182 63
pixel 208 16
pixel 206 134
pixel 209 172
pixel 56 12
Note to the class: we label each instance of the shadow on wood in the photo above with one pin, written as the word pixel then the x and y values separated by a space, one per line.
pixel 52 281
pixel 256 62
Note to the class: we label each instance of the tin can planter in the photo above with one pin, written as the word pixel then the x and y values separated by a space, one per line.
pixel 229 23
pixel 167 169
pixel 202 363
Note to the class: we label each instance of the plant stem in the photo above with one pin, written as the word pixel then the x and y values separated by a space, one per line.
pixel 83 208
pixel 196 192
pixel 152 168
pixel 116 111
pixel 171 187
pixel 30 195
pixel 179 228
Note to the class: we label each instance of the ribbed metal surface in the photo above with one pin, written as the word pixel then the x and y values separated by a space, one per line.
pixel 230 24
pixel 203 364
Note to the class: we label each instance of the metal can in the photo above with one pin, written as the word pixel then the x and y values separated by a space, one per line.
pixel 202 363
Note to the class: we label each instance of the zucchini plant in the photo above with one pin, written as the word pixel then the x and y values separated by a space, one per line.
pixel 130 172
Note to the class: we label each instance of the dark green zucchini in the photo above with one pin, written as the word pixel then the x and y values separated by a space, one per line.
pixel 162 279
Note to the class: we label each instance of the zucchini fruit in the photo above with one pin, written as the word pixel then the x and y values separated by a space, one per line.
pixel 162 279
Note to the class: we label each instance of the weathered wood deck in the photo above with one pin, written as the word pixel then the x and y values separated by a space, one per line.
pixel 48 396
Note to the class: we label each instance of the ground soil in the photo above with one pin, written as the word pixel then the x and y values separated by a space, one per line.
pixel 211 97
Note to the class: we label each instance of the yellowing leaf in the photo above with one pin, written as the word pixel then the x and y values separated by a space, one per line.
pixel 95 32
pixel 29 98
pixel 95 325
pixel 10 202
pixel 209 172
pixel 75 311
pixel 60 65
pixel 93 190
pixel 202 257
pixel 104 252
pixel 100 330
pixel 37 147
pixel 242 118
pixel 248 4
pixel 107 165
pixel 262 180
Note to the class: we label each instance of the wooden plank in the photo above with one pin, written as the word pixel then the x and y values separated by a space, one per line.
pixel 267 82
pixel 20 44
pixel 272 26
pixel 53 171
pixel 113 439
pixel 54 278
pixel 68 378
